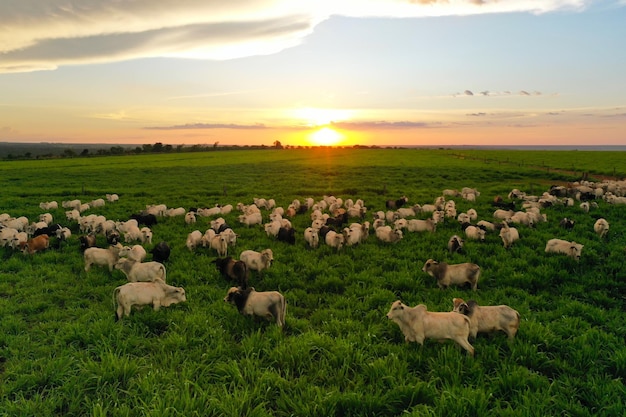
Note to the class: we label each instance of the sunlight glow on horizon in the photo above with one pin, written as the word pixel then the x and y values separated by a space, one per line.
pixel 325 137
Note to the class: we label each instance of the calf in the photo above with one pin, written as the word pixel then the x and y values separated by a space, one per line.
pixel 418 324
pixel 156 293
pixel 458 274
pixel 487 319
pixel 268 304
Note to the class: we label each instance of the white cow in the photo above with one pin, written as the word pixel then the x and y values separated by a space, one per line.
pixel 571 249
pixel 601 227
pixel 156 293
pixel 418 324
pixel 257 261
pixel 141 271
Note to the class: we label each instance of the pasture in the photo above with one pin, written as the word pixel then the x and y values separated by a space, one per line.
pixel 63 354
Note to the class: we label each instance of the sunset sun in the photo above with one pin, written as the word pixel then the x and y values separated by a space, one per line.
pixel 325 137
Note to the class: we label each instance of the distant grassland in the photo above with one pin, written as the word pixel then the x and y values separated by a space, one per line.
pixel 62 354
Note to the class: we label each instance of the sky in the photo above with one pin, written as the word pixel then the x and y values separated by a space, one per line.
pixel 314 72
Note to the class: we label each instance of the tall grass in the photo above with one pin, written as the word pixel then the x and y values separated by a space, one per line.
pixel 61 353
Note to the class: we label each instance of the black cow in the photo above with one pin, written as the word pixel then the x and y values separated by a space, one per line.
pixel 395 204
pixel 234 270
pixel 287 235
pixel 145 219
pixel 161 252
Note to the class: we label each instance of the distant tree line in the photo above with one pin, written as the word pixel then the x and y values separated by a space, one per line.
pixel 21 151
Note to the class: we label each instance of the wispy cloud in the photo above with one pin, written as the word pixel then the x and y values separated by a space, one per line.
pixel 45 34
pixel 383 125
pixel 487 93
pixel 195 126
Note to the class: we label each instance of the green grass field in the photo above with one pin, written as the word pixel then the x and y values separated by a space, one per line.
pixel 63 354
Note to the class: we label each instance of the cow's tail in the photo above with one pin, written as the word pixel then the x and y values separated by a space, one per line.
pixel 283 310
pixel 116 291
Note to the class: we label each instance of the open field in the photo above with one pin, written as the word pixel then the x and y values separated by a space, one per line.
pixel 63 354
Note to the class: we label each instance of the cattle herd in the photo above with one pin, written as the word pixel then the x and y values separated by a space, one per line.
pixel 336 223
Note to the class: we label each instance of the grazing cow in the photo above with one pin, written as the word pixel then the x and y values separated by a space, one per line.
pixel 6 235
pixel 334 239
pixel 63 233
pixel 356 233
pixel 287 235
pixel 488 319
pixel 87 241
pixel 194 239
pixel 146 219
pixel 268 304
pixel 418 225
pixel 49 205
pixel 522 217
pixel 233 269
pixel 396 204
pixel 102 257
pixel 601 227
pixel 48 230
pixel 458 274
pixel 388 235
pixel 46 217
pixel 455 244
pixel 508 235
pixel 566 223
pixel 135 253
pixel 272 228
pixel 19 240
pixel 113 237
pixel 251 219
pixel 338 221
pixel 571 249
pixel 141 271
pixel 486 226
pixel 501 214
pixel 161 252
pixel 257 261
pixel 473 232
pixel 156 293
pixel 418 324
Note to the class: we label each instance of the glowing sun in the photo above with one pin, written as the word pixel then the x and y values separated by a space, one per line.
pixel 325 137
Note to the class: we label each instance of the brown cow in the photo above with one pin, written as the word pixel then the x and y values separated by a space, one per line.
pixel 35 244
